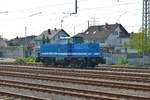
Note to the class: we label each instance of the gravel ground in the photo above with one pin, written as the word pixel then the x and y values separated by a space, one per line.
pixel 121 81
pixel 88 87
pixel 7 60
pixel 43 95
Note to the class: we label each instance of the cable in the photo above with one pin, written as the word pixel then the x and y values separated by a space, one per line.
pixel 61 4
pixel 108 6
pixel 46 6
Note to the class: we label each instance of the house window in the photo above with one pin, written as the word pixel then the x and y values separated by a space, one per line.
pixel 115 33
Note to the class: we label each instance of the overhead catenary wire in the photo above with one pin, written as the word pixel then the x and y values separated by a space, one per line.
pixel 79 15
pixel 81 9
pixel 67 3
pixel 82 12
pixel 47 13
pixel 46 6
pixel 109 6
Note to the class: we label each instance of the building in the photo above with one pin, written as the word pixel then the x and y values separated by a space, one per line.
pixel 31 44
pixel 21 41
pixel 112 39
pixel 49 36
pixel 3 42
pixel 108 35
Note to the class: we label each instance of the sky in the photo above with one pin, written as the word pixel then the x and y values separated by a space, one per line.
pixel 40 15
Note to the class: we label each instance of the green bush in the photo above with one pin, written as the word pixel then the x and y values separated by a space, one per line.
pixel 25 60
pixel 121 61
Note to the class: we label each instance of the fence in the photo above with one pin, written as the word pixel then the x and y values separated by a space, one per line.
pixel 129 58
pixel 11 52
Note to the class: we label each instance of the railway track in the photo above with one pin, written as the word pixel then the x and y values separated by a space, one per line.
pixel 122 66
pixel 141 77
pixel 138 87
pixel 94 95
pixel 15 96
pixel 115 69
pixel 50 70
pixel 43 70
pixel 124 69
pixel 98 66
pixel 77 76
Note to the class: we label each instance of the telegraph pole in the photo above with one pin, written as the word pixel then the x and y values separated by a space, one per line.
pixel 26 42
pixel 74 30
pixel 25 45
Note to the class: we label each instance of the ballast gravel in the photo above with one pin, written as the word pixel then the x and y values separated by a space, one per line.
pixel 79 86
pixel 46 96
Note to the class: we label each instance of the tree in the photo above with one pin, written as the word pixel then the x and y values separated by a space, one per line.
pixel 137 41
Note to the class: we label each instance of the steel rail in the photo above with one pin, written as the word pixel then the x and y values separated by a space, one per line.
pixel 79 81
pixel 57 90
pixel 102 76
pixel 20 96
pixel 71 91
pixel 122 66
pixel 124 69
pixel 141 70
pixel 98 66
pixel 87 72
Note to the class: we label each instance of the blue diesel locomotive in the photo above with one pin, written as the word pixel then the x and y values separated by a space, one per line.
pixel 71 54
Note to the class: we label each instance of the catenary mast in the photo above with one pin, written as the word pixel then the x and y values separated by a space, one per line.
pixel 146 19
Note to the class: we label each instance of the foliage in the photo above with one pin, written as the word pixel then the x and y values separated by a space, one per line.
pixel 137 41
pixel 121 61
pixel 125 45
pixel 25 60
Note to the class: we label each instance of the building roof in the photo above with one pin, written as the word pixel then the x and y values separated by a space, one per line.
pixel 20 41
pixel 101 32
pixel 50 34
